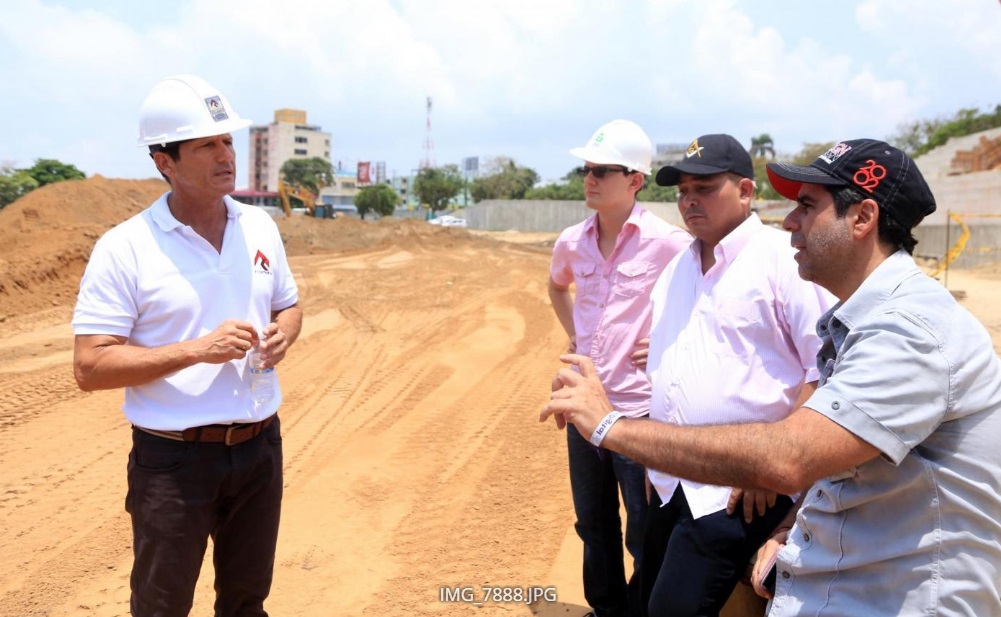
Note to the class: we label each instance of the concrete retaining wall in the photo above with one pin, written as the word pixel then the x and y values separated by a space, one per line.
pixel 543 215
pixel 962 194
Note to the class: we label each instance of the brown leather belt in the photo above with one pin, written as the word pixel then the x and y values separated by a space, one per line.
pixel 228 434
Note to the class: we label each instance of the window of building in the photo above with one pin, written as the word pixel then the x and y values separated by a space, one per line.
pixel 301 140
pixel 300 151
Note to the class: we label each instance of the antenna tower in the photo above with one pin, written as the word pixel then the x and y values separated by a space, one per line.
pixel 428 160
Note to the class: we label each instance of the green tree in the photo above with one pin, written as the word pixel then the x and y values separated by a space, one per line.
pixel 379 198
pixel 436 186
pixel 509 182
pixel 48 171
pixel 810 152
pixel 570 189
pixel 14 184
pixel 762 145
pixel 311 174
pixel 917 138
pixel 652 191
pixel 765 189
pixel 912 136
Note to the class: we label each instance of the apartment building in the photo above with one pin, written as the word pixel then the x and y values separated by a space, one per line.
pixel 289 136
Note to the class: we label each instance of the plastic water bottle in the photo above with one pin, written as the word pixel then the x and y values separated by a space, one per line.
pixel 262 380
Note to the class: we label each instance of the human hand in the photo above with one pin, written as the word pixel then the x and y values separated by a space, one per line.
pixel 759 499
pixel 578 397
pixel 561 421
pixel 765 562
pixel 639 357
pixel 572 345
pixel 273 344
pixel 231 340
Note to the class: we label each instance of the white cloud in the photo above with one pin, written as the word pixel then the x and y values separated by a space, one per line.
pixel 520 78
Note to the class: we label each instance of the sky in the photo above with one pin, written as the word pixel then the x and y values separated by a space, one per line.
pixel 524 79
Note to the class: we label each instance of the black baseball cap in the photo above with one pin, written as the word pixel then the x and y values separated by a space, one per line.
pixel 876 168
pixel 708 155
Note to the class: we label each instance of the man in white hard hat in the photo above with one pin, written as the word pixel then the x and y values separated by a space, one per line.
pixel 613 259
pixel 896 453
pixel 732 340
pixel 171 303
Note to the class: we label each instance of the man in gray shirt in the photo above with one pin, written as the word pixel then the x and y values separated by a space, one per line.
pixel 897 451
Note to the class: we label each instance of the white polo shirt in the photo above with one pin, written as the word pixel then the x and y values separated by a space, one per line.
pixel 155 281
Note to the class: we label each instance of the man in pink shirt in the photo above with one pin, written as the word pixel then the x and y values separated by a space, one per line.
pixel 613 258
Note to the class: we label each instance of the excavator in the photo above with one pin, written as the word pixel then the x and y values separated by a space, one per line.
pixel 286 190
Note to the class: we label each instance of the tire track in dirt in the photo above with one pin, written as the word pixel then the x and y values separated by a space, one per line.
pixel 412 393
pixel 482 534
pixel 62 502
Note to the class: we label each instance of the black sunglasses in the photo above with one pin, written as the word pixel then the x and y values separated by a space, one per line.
pixel 599 171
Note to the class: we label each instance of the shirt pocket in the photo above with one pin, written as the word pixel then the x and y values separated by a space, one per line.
pixel 585 278
pixel 633 278
pixel 738 321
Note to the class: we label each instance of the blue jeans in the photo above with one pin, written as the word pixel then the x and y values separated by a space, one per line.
pixel 596 476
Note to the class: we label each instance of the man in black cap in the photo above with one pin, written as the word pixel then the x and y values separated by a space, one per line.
pixel 732 340
pixel 896 452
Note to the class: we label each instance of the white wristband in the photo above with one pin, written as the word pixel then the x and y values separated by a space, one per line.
pixel 599 433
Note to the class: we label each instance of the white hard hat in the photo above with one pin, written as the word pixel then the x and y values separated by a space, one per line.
pixel 184 107
pixel 620 142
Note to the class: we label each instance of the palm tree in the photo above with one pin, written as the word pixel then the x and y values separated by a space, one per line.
pixel 761 145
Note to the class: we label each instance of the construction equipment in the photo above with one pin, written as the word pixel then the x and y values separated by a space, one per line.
pixel 286 190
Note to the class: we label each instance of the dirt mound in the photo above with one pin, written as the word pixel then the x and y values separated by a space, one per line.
pixel 47 237
pixel 305 235
pixel 48 234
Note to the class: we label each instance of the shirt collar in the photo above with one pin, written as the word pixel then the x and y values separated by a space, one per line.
pixel 591 224
pixel 163 217
pixel 874 290
pixel 735 241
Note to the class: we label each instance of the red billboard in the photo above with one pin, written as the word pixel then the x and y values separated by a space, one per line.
pixel 364 173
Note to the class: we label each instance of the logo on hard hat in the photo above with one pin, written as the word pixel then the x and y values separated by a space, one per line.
pixel 600 137
pixel 214 103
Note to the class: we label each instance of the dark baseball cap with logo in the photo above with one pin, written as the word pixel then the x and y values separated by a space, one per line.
pixel 876 168
pixel 708 155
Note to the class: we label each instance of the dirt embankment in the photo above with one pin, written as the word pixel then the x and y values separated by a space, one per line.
pixel 46 237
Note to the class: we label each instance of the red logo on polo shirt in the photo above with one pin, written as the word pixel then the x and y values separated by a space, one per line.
pixel 261 260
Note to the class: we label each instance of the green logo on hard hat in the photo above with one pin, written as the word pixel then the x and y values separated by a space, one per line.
pixel 214 103
pixel 599 138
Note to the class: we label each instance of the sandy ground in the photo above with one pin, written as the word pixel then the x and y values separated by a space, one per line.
pixel 413 455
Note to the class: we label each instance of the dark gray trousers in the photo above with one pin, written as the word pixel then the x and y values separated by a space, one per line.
pixel 179 495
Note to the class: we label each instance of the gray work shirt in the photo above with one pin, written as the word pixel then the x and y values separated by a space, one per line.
pixel 917 530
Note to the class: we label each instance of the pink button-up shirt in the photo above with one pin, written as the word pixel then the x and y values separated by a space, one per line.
pixel 732 345
pixel 611 308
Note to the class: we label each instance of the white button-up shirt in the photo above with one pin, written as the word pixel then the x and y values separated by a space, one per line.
pixel 733 345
